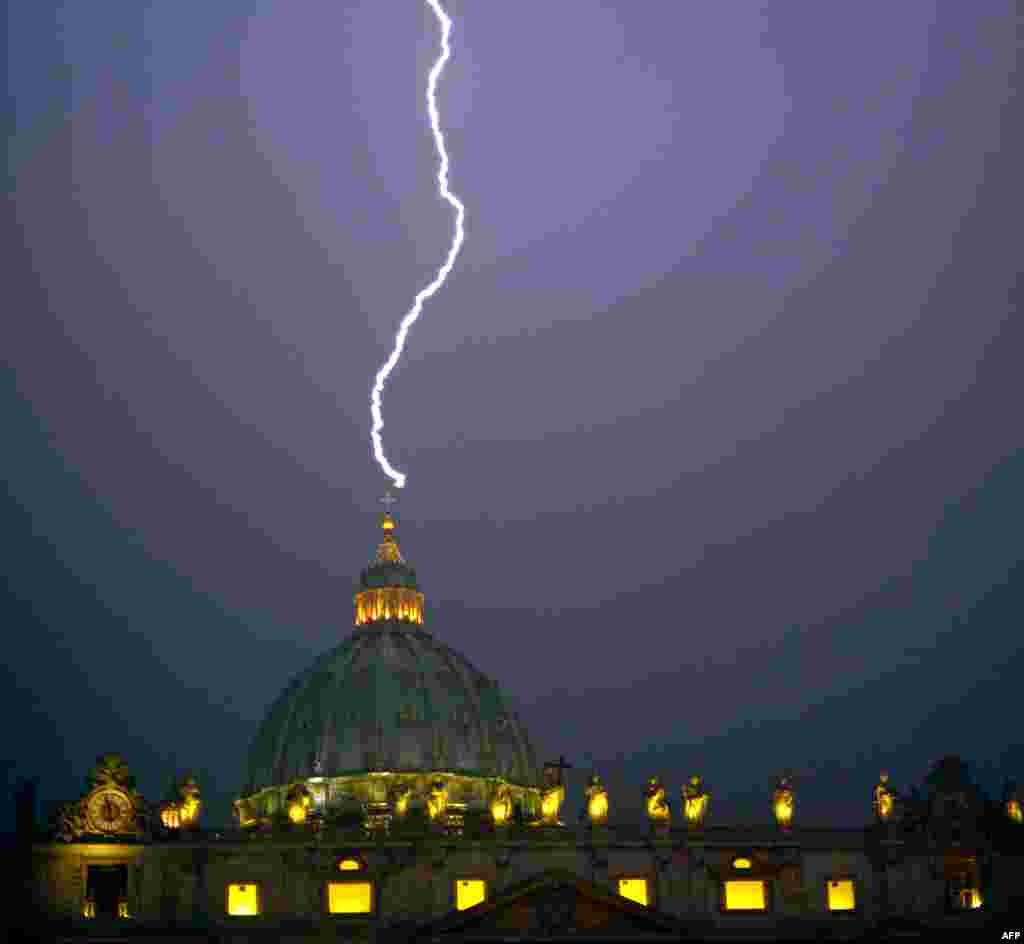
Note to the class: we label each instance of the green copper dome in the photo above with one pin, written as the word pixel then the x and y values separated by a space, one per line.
pixel 390 697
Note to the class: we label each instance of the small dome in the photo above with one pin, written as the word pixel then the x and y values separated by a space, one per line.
pixel 390 697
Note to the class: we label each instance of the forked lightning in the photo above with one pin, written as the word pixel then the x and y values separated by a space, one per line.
pixel 460 216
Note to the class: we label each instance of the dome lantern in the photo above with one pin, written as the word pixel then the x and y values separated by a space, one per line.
pixel 388 591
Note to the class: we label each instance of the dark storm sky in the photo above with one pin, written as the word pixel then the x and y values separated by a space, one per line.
pixel 713 437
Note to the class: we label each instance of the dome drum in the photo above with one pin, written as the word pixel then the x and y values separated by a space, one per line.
pixel 401 604
pixel 363 792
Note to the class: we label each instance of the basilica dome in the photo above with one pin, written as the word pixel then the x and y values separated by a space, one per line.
pixel 390 699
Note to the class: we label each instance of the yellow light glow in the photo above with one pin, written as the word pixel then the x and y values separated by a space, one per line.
pixel 243 899
pixel 437 800
pixel 885 799
pixel 349 897
pixel 695 801
pixel 635 889
pixel 1014 810
pixel 841 895
pixel 970 898
pixel 782 805
pixel 349 865
pixel 551 802
pixel 742 863
pixel 402 798
pixel 597 801
pixel 694 808
pixel 654 799
pixel 299 801
pixel 88 908
pixel 190 809
pixel 122 909
pixel 385 603
pixel 469 892
pixel 244 812
pixel 501 806
pixel 170 816
pixel 744 895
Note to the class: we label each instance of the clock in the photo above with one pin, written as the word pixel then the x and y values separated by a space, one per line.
pixel 109 810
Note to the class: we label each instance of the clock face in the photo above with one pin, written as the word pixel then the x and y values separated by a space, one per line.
pixel 109 811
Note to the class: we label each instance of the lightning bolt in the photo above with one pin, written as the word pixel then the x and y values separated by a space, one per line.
pixel 460 234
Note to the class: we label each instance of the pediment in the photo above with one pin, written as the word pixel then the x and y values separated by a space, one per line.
pixel 552 905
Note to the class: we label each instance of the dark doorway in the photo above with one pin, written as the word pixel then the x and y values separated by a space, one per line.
pixel 107 886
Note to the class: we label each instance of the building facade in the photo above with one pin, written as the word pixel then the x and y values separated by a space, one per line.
pixel 392 793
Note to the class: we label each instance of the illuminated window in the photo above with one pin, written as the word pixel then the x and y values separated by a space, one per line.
pixel 349 865
pixel 742 863
pixel 841 895
pixel 635 889
pixel 243 898
pixel 469 892
pixel 969 898
pixel 349 897
pixel 744 895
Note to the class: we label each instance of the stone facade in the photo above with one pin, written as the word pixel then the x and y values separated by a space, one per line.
pixel 178 889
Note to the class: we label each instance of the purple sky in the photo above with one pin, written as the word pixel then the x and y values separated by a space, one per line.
pixel 713 437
